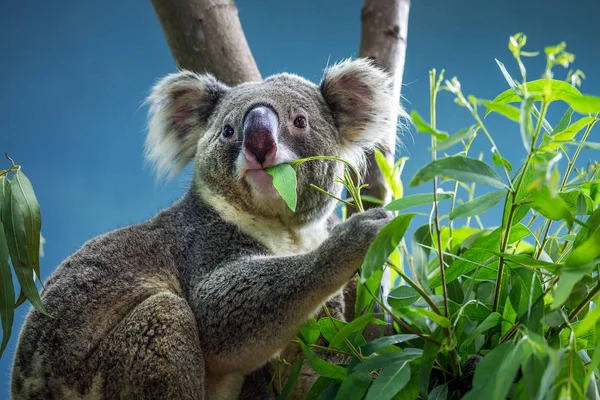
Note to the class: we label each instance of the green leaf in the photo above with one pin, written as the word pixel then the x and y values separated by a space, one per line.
pixel 385 341
pixel 363 297
pixel 585 145
pixel 551 207
pixel 389 382
pixel 321 367
pixel 525 122
pixel 384 360
pixel 478 205
pixel 438 319
pixel 288 389
pixel 455 138
pixel 491 321
pixel 354 386
pixel 403 296
pixel 415 200
pixel 356 325
pixel 569 132
pixel 564 122
pixel 420 254
pixel 526 260
pixel 310 331
pixel 284 180
pixel 583 104
pixel 380 250
pixel 496 372
pixel 22 190
pixel 320 387
pixel 508 111
pixel 526 298
pixel 462 169
pixel 7 292
pixel 14 229
pixel 424 127
pixel 430 352
pixel 475 255
pixel 501 161
pixel 439 393
pixel 559 90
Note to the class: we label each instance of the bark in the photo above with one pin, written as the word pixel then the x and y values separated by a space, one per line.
pixel 207 36
pixel 383 39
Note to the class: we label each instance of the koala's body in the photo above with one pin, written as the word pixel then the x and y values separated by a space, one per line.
pixel 194 302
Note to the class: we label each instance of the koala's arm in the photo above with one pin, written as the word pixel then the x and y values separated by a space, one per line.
pixel 252 307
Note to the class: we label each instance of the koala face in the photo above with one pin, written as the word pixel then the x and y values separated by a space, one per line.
pixel 233 133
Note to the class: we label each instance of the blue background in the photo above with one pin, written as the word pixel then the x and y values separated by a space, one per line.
pixel 74 74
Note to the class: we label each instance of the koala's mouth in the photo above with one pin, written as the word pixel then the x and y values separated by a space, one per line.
pixel 260 182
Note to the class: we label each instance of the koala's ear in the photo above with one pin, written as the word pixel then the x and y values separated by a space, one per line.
pixel 180 106
pixel 361 98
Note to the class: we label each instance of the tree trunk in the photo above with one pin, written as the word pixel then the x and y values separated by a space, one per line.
pixel 207 36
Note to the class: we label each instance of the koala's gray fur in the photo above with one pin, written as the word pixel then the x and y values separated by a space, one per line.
pixel 196 302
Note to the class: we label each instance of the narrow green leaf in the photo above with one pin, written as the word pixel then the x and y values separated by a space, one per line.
pixel 384 360
pixel 491 321
pixel 585 145
pixel 385 341
pixel 284 180
pixel 22 190
pixel 430 352
pixel 415 200
pixel 320 387
pixel 321 367
pixel 387 241
pixel 569 132
pixel 420 254
pixel 526 260
pixel 7 292
pixel 551 207
pixel 403 296
pixel 525 122
pixel 355 325
pixel 439 393
pixel 462 169
pixel 425 127
pixel 583 104
pixel 559 90
pixel 475 255
pixel 455 138
pixel 526 297
pixel 496 372
pixel 478 205
pixel 290 385
pixel 438 319
pixel 564 122
pixel 389 382
pixel 310 331
pixel 506 110
pixel 14 229
pixel 501 161
pixel 354 386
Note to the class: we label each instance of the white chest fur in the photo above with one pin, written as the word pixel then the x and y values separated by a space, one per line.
pixel 280 239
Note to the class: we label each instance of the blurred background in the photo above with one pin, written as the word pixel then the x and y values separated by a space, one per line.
pixel 74 74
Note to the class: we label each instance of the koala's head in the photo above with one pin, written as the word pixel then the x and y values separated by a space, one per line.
pixel 233 133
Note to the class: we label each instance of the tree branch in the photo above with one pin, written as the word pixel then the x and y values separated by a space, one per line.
pixel 383 39
pixel 207 36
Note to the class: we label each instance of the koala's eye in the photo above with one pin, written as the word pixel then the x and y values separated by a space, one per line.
pixel 228 131
pixel 300 122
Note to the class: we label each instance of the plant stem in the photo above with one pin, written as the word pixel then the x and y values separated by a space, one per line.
pixel 513 196
pixel 433 97
pixel 399 321
pixel 419 290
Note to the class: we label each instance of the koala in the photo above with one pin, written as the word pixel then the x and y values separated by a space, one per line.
pixel 196 302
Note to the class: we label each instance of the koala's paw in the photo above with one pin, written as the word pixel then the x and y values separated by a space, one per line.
pixel 350 240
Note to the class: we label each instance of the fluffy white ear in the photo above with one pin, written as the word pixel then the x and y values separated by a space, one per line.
pixel 180 105
pixel 361 98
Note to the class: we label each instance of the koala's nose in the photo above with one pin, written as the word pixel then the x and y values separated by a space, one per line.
pixel 260 135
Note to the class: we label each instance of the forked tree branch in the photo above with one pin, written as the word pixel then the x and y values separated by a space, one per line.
pixel 207 36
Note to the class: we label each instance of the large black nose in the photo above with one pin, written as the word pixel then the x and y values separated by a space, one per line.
pixel 260 134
